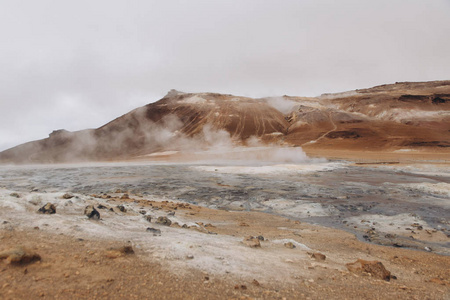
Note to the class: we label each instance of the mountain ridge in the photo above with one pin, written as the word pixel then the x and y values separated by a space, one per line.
pixel 393 116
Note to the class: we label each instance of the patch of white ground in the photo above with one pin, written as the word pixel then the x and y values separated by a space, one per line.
pixel 298 209
pixel 177 248
pixel 301 168
pixel 439 189
pixel 441 169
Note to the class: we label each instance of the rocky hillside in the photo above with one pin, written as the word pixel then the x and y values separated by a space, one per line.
pixel 388 117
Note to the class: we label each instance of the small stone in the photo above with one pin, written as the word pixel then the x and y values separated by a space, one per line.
pixel 119 252
pixel 318 256
pixel 47 209
pixel 190 257
pixel 142 212
pixel 67 196
pixel 252 242
pixel 15 195
pixel 260 237
pixel 163 221
pixel 154 231
pixel 255 282
pixel 172 213
pixel 100 206
pixel 289 245
pixel 125 196
pixel 91 212
pixel 122 208
pixel 148 218
pixel 19 255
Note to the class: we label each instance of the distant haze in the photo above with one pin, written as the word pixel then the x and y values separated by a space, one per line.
pixel 79 64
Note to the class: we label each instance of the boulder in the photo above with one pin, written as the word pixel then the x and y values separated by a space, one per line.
pixel 318 256
pixel 67 196
pixel 163 221
pixel 19 255
pixel 289 245
pixel 47 209
pixel 91 212
pixel 154 231
pixel 375 268
pixel 118 252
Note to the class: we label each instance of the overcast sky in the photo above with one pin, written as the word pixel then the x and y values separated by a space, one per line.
pixel 79 64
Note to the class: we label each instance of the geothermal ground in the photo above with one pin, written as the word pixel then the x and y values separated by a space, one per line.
pixel 285 227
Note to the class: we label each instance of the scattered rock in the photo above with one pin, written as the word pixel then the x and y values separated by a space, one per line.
pixel 163 221
pixel 19 255
pixel 118 252
pixel 148 218
pixel 375 268
pixel 176 225
pixel 172 213
pixel 252 242
pixel 67 196
pixel 318 256
pixel 142 212
pixel 243 224
pixel 255 282
pixel 122 208
pixel 47 209
pixel 15 195
pixel 125 196
pixel 119 191
pixel 190 257
pixel 100 206
pixel 154 231
pixel 91 212
pixel 289 245
pixel 260 237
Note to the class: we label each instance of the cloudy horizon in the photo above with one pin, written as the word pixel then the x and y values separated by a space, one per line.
pixel 80 64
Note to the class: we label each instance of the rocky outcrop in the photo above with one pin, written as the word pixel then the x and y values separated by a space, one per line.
pixel 374 268
pixel 47 209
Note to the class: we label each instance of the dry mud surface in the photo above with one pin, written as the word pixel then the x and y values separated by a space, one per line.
pixel 392 213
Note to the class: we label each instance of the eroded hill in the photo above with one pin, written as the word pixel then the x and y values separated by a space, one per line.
pixel 397 116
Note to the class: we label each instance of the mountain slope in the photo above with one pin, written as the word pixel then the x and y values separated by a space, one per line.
pixel 396 116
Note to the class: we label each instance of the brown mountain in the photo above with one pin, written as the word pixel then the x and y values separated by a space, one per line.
pixel 387 117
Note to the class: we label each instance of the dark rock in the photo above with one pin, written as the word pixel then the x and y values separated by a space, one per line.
pixel 100 206
pixel 91 212
pixel 148 218
pixel 47 209
pixel 142 212
pixel 260 237
pixel 122 208
pixel 164 221
pixel 154 231
pixel 16 195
